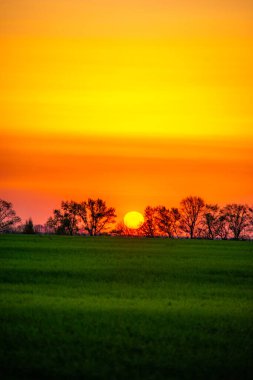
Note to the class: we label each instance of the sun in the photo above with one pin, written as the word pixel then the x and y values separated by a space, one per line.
pixel 133 219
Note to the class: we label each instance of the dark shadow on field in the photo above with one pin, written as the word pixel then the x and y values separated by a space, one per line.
pixel 131 275
pixel 59 343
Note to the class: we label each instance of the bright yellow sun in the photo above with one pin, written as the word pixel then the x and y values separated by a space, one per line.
pixel 133 219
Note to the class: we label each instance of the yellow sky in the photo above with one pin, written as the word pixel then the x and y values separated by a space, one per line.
pixel 127 67
pixel 157 93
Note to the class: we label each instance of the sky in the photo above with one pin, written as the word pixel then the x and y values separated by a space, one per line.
pixel 137 102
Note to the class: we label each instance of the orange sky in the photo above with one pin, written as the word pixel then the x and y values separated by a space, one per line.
pixel 138 102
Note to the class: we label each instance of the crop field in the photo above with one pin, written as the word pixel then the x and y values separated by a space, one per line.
pixel 125 308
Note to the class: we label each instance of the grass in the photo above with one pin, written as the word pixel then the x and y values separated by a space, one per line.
pixel 119 308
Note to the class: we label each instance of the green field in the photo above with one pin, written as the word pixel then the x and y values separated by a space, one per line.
pixel 122 308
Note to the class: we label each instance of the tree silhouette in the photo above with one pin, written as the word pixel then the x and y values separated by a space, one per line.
pixel 95 215
pixel 65 220
pixel 194 218
pixel 191 210
pixel 28 227
pixel 168 221
pixel 149 227
pixel 70 216
pixel 238 218
pixel 213 222
pixel 8 216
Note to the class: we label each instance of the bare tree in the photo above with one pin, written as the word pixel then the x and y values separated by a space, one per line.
pixel 8 217
pixel 149 227
pixel 168 221
pixel 95 215
pixel 212 222
pixel 238 218
pixel 191 210
pixel 215 223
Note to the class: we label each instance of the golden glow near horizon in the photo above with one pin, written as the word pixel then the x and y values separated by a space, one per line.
pixel 133 219
pixel 97 95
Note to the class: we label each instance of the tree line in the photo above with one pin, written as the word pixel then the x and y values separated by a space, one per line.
pixel 196 219
pixel 192 219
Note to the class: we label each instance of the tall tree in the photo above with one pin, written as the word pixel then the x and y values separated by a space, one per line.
pixel 191 212
pixel 168 221
pixel 71 216
pixel 213 222
pixel 65 219
pixel 28 227
pixel 223 231
pixel 237 217
pixel 96 216
pixel 8 217
pixel 149 227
